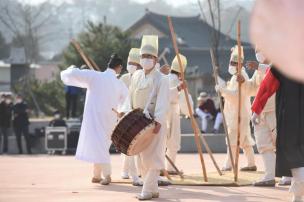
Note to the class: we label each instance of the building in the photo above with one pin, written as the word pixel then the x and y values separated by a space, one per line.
pixel 5 77
pixel 194 40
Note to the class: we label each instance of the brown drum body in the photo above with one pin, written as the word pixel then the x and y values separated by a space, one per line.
pixel 133 133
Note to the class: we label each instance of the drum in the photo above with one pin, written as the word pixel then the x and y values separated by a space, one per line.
pixel 133 133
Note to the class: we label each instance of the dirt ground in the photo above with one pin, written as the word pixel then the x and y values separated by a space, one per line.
pixel 43 178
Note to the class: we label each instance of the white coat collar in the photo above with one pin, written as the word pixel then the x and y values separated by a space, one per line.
pixel 110 71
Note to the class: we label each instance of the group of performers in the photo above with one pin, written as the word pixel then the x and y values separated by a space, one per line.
pixel 157 91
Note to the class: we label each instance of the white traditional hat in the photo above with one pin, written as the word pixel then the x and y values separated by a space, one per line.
pixel 149 45
pixel 234 54
pixel 134 55
pixel 175 64
pixel 202 95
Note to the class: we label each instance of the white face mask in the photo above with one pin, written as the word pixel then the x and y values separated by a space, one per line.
pixel 146 63
pixel 232 70
pixel 18 100
pixel 8 101
pixel 131 68
pixel 260 57
pixel 157 66
pixel 57 116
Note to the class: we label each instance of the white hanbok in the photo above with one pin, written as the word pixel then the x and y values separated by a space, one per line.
pixel 104 92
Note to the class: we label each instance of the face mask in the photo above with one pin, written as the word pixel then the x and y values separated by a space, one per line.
pixel 157 66
pixel 57 116
pixel 19 100
pixel 232 70
pixel 8 101
pixel 146 63
pixel 260 57
pixel 131 68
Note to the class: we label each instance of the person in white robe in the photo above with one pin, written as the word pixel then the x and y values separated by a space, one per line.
pixel 149 90
pixel 230 94
pixel 104 92
pixel 131 164
pixel 265 126
pixel 177 101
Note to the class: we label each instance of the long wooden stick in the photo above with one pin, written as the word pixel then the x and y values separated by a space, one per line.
pixel 82 54
pixel 215 73
pixel 197 141
pixel 174 166
pixel 96 67
pixel 239 72
pixel 193 122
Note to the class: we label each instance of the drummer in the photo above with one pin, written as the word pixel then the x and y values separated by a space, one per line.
pixel 129 166
pixel 149 91
pixel 104 92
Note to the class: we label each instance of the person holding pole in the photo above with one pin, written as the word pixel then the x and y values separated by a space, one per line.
pixel 177 100
pixel 230 94
pixel 265 127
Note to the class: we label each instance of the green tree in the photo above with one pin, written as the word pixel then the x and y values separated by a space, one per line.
pixel 42 97
pixel 99 42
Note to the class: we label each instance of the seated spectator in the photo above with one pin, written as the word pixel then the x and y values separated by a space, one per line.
pixel 57 121
pixel 206 111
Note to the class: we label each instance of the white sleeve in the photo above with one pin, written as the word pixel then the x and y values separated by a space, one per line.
pixel 76 77
pixel 183 103
pixel 174 95
pixel 123 96
pixel 127 104
pixel 162 102
pixel 226 92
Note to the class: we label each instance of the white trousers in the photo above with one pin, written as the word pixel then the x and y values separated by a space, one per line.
pixel 150 181
pixel 297 184
pixel 204 118
pixel 265 135
pixel 249 153
pixel 265 132
pixel 128 166
pixel 99 168
pixel 218 121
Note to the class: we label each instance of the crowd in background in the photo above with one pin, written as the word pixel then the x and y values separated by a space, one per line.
pixel 14 115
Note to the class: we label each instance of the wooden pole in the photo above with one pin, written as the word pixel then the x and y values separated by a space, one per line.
pixel 94 64
pixel 215 73
pixel 174 166
pixel 81 53
pixel 239 72
pixel 197 141
pixel 193 122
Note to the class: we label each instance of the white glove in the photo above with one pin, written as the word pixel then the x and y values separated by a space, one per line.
pixel 218 88
pixel 255 119
pixel 147 114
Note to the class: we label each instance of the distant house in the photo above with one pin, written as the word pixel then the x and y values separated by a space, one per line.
pixel 5 77
pixel 19 66
pixel 194 41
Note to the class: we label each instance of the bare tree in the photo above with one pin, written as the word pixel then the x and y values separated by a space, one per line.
pixel 28 24
pixel 214 18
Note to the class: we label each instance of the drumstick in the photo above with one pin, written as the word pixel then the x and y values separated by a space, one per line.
pixel 174 166
pixel 81 53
